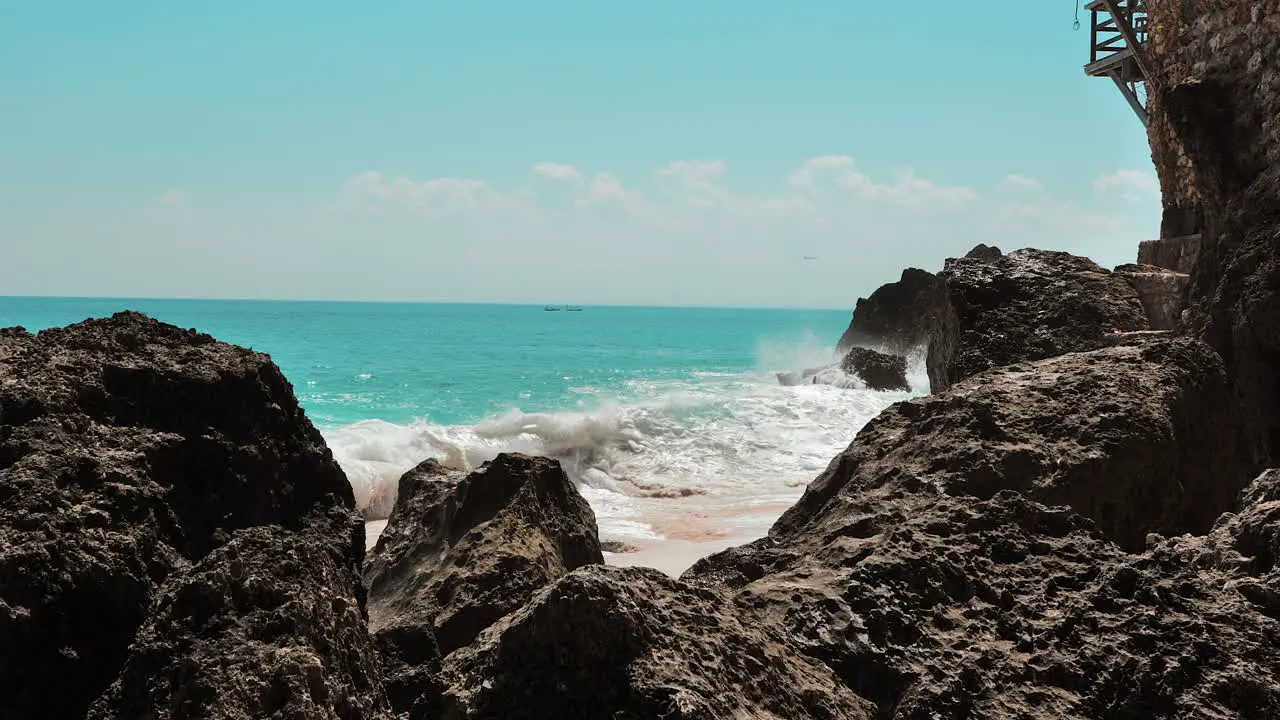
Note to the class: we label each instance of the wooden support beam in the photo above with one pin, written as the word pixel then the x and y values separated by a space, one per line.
pixel 1130 35
pixel 1129 95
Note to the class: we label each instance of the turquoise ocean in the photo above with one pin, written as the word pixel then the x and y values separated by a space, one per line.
pixel 671 421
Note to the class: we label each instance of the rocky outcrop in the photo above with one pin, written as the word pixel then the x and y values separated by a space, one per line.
pixel 903 317
pixel 1141 438
pixel 877 370
pixel 997 550
pixel 989 309
pixel 460 552
pixel 254 629
pixel 1163 293
pixel 134 458
pixel 631 643
pixel 1033 304
pixel 1178 254
pixel 1215 138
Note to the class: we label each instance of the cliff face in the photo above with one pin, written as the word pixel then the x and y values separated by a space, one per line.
pixel 1215 139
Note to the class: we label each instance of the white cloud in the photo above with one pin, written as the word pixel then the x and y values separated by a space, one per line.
pixel 556 171
pixel 695 182
pixel 690 217
pixel 172 198
pixel 372 192
pixel 908 191
pixel 1133 185
pixel 805 176
pixel 1020 183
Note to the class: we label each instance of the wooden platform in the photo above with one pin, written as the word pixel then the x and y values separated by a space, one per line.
pixel 1118 32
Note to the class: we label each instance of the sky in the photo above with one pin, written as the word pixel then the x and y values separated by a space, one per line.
pixel 560 151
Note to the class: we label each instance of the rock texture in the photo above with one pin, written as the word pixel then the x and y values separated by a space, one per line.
pixel 632 644
pixel 989 309
pixel 1215 137
pixel 1033 304
pixel 984 552
pixel 256 629
pixel 1178 254
pixel 133 455
pixel 460 552
pixel 1163 293
pixel 903 317
pixel 878 370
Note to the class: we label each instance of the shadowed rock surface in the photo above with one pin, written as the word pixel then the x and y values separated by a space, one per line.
pixel 902 317
pixel 632 644
pixel 1163 293
pixel 1215 137
pixel 460 552
pixel 129 451
pixel 1033 304
pixel 254 629
pixel 924 569
pixel 879 371
pixel 989 309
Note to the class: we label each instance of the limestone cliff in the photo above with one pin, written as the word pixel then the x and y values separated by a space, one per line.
pixel 1215 139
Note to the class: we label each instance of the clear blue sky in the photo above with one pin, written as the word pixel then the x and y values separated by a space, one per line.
pixel 585 152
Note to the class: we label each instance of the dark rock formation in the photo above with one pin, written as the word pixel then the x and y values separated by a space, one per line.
pixel 984 252
pixel 1178 254
pixel 629 644
pixel 902 317
pixel 1163 293
pixel 1215 138
pixel 989 309
pixel 1141 438
pixel 459 553
pixel 924 570
pixel 879 371
pixel 255 629
pixel 131 453
pixel 1033 304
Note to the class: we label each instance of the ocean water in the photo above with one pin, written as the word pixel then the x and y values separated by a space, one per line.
pixel 671 421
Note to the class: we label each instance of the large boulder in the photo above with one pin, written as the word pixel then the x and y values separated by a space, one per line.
pixel 1141 437
pixel 253 630
pixel 904 317
pixel 1163 293
pixel 984 552
pixel 879 371
pixel 461 551
pixel 131 451
pixel 989 309
pixel 1034 304
pixel 629 644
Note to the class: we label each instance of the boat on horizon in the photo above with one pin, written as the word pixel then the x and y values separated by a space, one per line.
pixel 571 308
pixel 551 308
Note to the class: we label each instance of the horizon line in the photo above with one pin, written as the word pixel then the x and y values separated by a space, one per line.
pixel 492 303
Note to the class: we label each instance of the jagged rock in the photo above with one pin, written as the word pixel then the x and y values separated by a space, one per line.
pixel 924 570
pixel 1163 293
pixel 631 643
pixel 941 608
pixel 1141 438
pixel 1216 142
pixel 878 370
pixel 129 451
pixel 905 316
pixel 1033 304
pixel 1178 254
pixel 989 309
pixel 459 552
pixel 255 629
pixel 984 252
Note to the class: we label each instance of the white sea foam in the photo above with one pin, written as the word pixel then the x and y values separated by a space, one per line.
pixel 691 460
